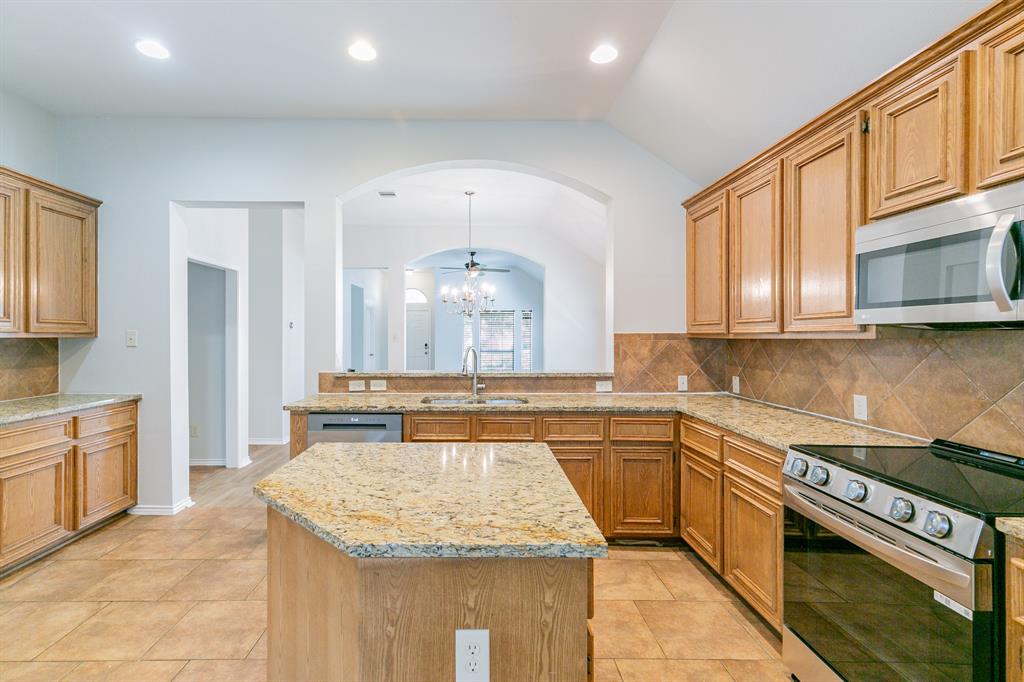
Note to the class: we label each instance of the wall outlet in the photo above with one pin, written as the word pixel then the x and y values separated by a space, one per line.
pixel 356 386
pixel 193 431
pixel 860 407
pixel 604 387
pixel 472 656
pixel 378 384
pixel 735 384
pixel 131 338
pixel 682 383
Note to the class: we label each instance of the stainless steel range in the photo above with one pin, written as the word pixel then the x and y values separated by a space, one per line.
pixel 893 565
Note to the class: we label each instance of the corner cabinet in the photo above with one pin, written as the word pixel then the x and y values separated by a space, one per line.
pixel 48 259
pixel 707 284
pixel 1000 129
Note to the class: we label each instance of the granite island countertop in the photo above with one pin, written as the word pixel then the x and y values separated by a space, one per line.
pixel 23 409
pixel 776 427
pixel 435 500
pixel 1012 526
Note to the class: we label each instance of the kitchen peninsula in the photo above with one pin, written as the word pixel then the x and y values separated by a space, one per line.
pixel 379 552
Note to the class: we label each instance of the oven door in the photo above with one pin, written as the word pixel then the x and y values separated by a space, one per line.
pixel 875 603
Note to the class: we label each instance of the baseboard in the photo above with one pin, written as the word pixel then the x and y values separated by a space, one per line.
pixel 268 441
pixel 161 509
pixel 207 462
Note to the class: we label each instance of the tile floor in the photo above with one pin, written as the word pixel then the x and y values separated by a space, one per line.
pixel 183 598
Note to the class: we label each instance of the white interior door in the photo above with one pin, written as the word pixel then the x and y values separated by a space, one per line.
pixel 418 352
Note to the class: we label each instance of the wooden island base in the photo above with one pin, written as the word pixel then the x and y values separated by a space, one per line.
pixel 336 617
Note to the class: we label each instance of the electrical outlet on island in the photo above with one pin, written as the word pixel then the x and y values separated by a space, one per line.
pixel 472 656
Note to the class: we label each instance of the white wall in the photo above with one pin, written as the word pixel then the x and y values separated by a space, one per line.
pixel 266 325
pixel 138 166
pixel 206 364
pixel 294 296
pixel 28 137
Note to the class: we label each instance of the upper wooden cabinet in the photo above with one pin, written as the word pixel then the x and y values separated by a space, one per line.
pixel 1000 128
pixel 822 211
pixel 755 252
pixel 918 134
pixel 707 267
pixel 48 259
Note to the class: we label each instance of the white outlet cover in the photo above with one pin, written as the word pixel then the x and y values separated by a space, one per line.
pixel 378 384
pixel 131 338
pixel 735 384
pixel 357 386
pixel 682 383
pixel 604 387
pixel 472 656
pixel 860 407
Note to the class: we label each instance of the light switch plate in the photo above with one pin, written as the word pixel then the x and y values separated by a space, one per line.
pixel 860 407
pixel 131 338
pixel 735 384
pixel 378 384
pixel 604 387
pixel 193 431
pixel 472 656
pixel 682 383
pixel 356 386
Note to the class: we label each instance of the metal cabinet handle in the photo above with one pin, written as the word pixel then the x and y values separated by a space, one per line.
pixel 994 263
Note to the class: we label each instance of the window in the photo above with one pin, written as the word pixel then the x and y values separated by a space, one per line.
pixel 526 341
pixel 497 341
pixel 415 296
pixel 467 332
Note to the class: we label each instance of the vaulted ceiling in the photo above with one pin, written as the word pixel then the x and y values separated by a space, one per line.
pixel 704 84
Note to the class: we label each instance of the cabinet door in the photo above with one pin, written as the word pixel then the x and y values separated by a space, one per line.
pixel 641 490
pixel 755 252
pixel 583 468
pixel 1001 106
pixel 61 265
pixel 35 501
pixel 12 256
pixel 706 268
pixel 1014 610
pixel 918 133
pixel 105 477
pixel 822 212
pixel 701 508
pixel 752 557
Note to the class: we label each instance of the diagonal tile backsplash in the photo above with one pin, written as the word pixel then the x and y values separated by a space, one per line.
pixel 28 367
pixel 964 386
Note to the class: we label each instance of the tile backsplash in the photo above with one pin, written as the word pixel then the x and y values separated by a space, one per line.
pixel 28 367
pixel 964 386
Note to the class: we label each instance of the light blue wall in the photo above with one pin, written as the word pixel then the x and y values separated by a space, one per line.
pixel 28 137
pixel 206 364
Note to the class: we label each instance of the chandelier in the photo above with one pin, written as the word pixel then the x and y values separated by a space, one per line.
pixel 473 296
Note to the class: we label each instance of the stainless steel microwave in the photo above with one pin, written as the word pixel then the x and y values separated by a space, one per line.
pixel 956 263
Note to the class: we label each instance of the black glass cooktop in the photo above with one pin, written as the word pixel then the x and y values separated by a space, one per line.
pixel 952 475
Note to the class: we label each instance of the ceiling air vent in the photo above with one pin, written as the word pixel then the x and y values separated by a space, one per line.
pixel 387 194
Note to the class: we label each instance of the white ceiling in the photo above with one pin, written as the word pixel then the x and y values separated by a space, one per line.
pixel 704 84
pixel 490 258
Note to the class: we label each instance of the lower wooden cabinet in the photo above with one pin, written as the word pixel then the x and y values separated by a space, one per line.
pixel 105 477
pixel 36 501
pixel 700 512
pixel 641 490
pixel 1014 610
pixel 583 466
pixel 752 556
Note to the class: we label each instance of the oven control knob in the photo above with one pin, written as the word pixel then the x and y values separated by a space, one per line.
pixel 937 524
pixel 856 491
pixel 902 509
pixel 819 475
pixel 798 467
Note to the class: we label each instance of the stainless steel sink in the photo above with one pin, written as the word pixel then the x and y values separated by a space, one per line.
pixel 480 400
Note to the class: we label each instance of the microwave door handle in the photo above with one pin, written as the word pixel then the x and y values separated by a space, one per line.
pixel 994 263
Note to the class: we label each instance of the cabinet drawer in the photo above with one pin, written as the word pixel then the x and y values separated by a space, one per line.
pixel 643 428
pixel 103 420
pixel 758 465
pixel 27 436
pixel 454 428
pixel 588 429
pixel 506 429
pixel 702 438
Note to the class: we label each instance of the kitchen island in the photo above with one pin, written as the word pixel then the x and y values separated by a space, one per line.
pixel 379 552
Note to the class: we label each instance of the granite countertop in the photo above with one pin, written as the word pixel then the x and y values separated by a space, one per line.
pixel 22 409
pixel 1012 526
pixel 775 427
pixel 430 374
pixel 435 500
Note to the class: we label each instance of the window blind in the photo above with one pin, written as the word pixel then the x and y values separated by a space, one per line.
pixel 526 341
pixel 497 341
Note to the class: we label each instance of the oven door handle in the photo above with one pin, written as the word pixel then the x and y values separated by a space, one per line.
pixel 936 575
pixel 994 263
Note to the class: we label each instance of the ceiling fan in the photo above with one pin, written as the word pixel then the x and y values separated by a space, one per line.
pixel 471 268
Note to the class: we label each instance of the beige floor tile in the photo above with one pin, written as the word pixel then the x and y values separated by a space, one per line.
pixel 699 630
pixel 59 581
pixel 30 627
pixel 259 593
pixel 687 583
pixel 644 553
pixel 144 580
pixel 157 544
pixel 620 632
pixel 220 580
pixel 21 573
pixel 250 670
pixel 232 544
pixel 164 522
pixel 125 671
pixel 213 630
pixel 762 671
pixel 223 518
pixel 766 636
pixel 122 631
pixel 259 650
pixel 95 545
pixel 261 522
pixel 605 670
pixel 672 671
pixel 34 672
pixel 615 579
pixel 124 521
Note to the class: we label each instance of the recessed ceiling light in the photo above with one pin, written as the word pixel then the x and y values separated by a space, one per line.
pixel 153 49
pixel 603 54
pixel 362 50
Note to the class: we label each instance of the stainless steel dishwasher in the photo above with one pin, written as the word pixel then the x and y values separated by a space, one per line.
pixel 348 427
